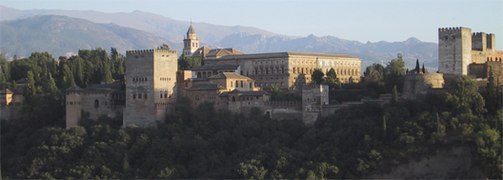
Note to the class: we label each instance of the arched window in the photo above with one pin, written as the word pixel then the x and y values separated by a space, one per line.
pixel 96 104
pixel 237 83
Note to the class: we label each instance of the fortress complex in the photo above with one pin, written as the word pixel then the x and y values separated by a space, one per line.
pixel 229 79
pixel 278 68
pixel 93 102
pixel 461 52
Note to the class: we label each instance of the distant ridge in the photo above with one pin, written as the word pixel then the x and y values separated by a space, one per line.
pixel 160 29
pixel 62 35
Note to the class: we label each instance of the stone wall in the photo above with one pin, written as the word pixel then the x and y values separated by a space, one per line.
pixel 416 84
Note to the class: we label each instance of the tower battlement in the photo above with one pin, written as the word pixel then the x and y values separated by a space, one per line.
pixel 140 52
pixel 150 52
pixel 451 30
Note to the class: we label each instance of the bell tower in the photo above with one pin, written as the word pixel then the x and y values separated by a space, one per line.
pixel 191 42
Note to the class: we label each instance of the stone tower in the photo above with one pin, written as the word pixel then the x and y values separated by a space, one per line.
pixel 150 85
pixel 454 50
pixel 73 106
pixel 191 42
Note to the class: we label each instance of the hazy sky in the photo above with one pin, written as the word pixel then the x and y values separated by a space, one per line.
pixel 362 20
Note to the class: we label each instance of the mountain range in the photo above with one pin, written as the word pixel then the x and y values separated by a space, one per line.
pixel 62 32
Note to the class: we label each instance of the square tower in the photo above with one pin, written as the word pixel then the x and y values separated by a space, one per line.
pixel 150 85
pixel 454 50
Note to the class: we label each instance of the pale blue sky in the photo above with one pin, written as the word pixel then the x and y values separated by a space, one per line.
pixel 361 20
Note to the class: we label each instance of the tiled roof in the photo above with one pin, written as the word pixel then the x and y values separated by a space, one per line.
pixel 97 87
pixel 281 55
pixel 203 86
pixel 191 30
pixel 216 67
pixel 244 93
pixel 202 50
pixel 226 75
pixel 223 52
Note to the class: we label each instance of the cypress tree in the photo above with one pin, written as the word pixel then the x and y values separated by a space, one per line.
pixel 417 66
pixel 423 69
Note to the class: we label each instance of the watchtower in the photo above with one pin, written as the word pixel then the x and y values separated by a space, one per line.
pixel 150 85
pixel 454 50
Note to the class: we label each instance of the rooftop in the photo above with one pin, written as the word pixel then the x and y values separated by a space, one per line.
pixel 227 75
pixel 282 55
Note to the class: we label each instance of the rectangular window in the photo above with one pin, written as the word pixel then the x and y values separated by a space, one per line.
pixel 139 96
pixel 145 95
pixel 134 96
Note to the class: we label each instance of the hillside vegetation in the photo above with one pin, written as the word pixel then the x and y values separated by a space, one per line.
pixel 355 142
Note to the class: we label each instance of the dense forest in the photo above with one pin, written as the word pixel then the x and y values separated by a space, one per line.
pixel 354 142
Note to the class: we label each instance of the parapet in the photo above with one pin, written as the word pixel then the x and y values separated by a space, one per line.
pixel 150 52
pixel 452 29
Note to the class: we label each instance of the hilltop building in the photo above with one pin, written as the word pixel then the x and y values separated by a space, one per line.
pixel 229 79
pixel 460 52
pixel 150 85
pixel 93 102
pixel 284 68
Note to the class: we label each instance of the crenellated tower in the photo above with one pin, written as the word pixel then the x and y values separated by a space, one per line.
pixel 191 42
pixel 455 48
pixel 150 85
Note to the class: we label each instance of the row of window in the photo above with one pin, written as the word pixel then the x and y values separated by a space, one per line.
pixel 164 94
pixel 267 84
pixel 165 79
pixel 341 72
pixel 140 79
pixel 271 77
pixel 269 62
pixel 241 84
pixel 339 63
pixel 161 105
pixel 96 103
pixel 269 70
pixel 140 96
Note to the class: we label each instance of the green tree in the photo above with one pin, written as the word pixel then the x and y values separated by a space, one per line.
pixel 465 96
pixel 49 84
pixel 317 76
pixel 492 98
pixel 252 169
pixel 394 73
pixel 31 87
pixel 417 69
pixel 331 79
